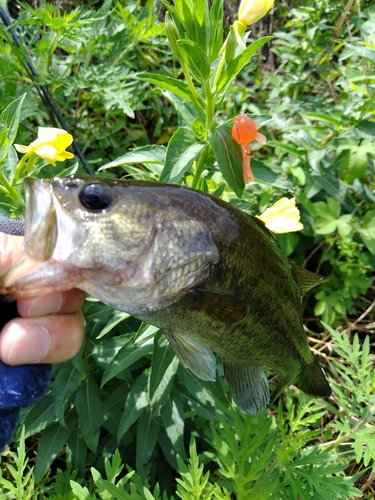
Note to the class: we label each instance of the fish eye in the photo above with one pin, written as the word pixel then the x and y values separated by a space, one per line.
pixel 96 197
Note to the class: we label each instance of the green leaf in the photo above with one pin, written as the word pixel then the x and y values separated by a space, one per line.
pixel 298 152
pixel 65 384
pixel 196 59
pixel 268 176
pixel 216 29
pixel 147 154
pixel 163 369
pixel 125 357
pixel 363 52
pixel 40 415
pixel 172 415
pixel 51 443
pixel 167 83
pixel 88 406
pixel 356 166
pixel 183 149
pixel 368 232
pixel 118 317
pixel 228 156
pixel 9 120
pixel 136 402
pixel 240 61
pixel 147 436
pixel 188 112
pixel 325 118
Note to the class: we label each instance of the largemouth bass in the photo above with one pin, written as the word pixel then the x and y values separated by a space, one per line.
pixel 212 277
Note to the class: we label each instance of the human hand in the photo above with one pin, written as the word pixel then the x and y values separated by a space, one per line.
pixel 50 327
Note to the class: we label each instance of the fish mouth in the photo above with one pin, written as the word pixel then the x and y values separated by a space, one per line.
pixel 40 220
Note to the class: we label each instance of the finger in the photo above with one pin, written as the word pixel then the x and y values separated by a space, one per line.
pixel 10 253
pixel 52 303
pixel 46 339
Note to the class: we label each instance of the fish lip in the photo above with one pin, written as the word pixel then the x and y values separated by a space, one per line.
pixel 40 220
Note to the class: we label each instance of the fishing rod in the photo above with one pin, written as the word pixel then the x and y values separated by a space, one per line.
pixel 46 95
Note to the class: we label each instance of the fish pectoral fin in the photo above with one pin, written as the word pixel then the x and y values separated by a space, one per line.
pixel 194 355
pixel 306 279
pixel 249 387
pixel 219 306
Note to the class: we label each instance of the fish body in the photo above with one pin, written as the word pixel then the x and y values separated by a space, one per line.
pixel 212 277
pixel 244 131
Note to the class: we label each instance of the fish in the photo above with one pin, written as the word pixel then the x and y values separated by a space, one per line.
pixel 244 131
pixel 212 277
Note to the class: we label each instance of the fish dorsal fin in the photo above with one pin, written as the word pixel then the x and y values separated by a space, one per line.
pixel 219 306
pixel 248 386
pixel 196 356
pixel 306 279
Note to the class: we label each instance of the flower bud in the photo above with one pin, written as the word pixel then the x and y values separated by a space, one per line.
pixel 172 34
pixel 251 11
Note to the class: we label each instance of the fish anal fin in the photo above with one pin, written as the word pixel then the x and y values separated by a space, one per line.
pixel 307 279
pixel 219 306
pixel 249 387
pixel 312 380
pixel 194 355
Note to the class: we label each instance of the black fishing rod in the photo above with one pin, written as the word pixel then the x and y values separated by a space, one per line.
pixel 46 95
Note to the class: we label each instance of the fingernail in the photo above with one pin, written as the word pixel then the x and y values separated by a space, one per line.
pixel 28 345
pixel 48 304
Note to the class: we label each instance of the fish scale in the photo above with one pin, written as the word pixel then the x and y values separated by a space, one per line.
pixel 212 277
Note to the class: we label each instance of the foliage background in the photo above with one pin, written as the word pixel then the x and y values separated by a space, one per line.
pixel 125 390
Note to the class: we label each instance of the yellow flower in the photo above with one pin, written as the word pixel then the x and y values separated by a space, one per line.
pixel 251 11
pixel 282 217
pixel 50 145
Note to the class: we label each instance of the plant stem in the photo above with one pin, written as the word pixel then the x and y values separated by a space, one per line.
pixel 10 190
pixel 19 168
pixel 199 99
pixel 200 168
pixel 355 429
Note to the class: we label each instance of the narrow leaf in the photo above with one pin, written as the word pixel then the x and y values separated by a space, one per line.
pixel 196 59
pixel 228 156
pixel 167 83
pixel 147 436
pixel 183 148
pixel 9 120
pixel 240 61
pixel 136 402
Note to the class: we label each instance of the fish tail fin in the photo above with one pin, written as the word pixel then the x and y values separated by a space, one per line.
pixel 312 380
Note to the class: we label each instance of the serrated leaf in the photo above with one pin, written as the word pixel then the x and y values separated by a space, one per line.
pixel 228 156
pixel 167 83
pixel 240 61
pixel 182 150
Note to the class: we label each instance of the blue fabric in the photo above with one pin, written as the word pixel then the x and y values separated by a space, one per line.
pixel 23 385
